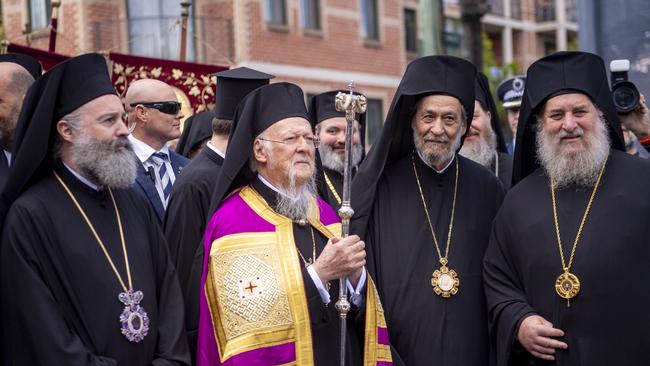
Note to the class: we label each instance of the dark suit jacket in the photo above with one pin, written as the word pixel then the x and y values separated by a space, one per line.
pixel 4 170
pixel 146 186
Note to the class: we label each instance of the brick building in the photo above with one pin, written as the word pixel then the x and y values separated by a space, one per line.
pixel 318 44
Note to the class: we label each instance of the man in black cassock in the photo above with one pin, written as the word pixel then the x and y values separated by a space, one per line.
pixel 426 215
pixel 17 73
pixel 86 276
pixel 566 268
pixel 484 142
pixel 330 126
pixel 187 213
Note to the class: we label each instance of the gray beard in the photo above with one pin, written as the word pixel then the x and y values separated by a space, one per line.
pixel 582 168
pixel 334 161
pixel 296 202
pixel 103 163
pixel 482 151
pixel 437 156
pixel 8 127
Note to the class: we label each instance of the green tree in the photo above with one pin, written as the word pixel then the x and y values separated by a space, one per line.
pixel 496 73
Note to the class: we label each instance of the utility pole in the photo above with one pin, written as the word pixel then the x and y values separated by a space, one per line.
pixel 471 13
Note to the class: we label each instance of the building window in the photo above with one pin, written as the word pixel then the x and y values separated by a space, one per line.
pixel 452 36
pixel 154 29
pixel 311 14
pixel 40 12
pixel 411 30
pixel 275 12
pixel 369 20
pixel 374 120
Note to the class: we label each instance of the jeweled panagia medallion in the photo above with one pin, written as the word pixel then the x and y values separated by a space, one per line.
pixel 567 285
pixel 134 320
pixel 445 281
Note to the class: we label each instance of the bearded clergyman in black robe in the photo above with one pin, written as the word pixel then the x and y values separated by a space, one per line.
pixel 330 127
pixel 566 270
pixel 86 275
pixel 426 214
pixel 485 143
pixel 189 202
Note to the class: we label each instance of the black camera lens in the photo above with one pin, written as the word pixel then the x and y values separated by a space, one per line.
pixel 626 97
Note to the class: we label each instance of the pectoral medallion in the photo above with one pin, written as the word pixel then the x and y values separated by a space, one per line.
pixel 134 320
pixel 445 281
pixel 567 285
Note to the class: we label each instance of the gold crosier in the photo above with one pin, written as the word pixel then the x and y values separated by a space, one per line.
pixel 444 280
pixel 567 284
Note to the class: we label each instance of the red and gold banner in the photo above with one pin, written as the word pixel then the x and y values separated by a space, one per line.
pixel 194 85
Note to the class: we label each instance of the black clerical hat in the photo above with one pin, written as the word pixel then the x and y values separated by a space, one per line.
pixel 428 75
pixel 61 90
pixel 197 128
pixel 322 107
pixel 484 96
pixel 511 90
pixel 232 87
pixel 258 111
pixel 555 74
pixel 28 62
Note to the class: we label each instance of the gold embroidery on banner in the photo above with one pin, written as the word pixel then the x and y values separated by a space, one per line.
pixel 252 296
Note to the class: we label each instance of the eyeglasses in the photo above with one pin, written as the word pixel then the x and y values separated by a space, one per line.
pixel 164 107
pixel 293 140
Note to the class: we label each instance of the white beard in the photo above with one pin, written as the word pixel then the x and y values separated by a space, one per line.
pixel 104 163
pixel 334 161
pixel 482 151
pixel 436 155
pixel 581 168
pixel 296 202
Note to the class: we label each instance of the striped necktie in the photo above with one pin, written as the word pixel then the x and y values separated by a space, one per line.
pixel 159 159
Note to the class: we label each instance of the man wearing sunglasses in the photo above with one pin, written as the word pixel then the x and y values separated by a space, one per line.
pixel 154 116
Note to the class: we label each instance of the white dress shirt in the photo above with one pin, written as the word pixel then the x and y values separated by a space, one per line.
pixel 144 152
pixel 356 295
pixel 217 151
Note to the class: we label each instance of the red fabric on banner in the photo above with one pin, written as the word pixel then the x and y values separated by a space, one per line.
pixel 47 59
pixel 194 84
pixel 194 81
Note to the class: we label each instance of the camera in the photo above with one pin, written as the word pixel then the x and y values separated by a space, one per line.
pixel 624 92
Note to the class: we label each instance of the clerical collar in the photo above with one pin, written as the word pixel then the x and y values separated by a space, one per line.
pixel 81 177
pixel 144 151
pixel 268 184
pixel 432 167
pixel 217 151
pixel 8 155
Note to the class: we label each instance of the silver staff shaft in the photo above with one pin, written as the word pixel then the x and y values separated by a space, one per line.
pixel 351 104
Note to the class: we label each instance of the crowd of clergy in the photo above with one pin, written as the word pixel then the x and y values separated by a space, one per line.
pixel 226 247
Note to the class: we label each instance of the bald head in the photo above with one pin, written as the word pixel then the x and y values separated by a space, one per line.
pixel 152 126
pixel 15 80
pixel 147 91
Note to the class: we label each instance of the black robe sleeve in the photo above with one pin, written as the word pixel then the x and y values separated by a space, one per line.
pixel 506 300
pixel 172 346
pixel 46 335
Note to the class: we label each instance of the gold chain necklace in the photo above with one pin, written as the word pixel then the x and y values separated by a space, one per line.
pixel 134 319
pixel 313 250
pixel 444 280
pixel 331 188
pixel 567 284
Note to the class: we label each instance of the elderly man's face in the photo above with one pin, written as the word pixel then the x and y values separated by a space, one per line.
pixel 438 125
pixel 570 120
pixel 481 125
pixel 290 157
